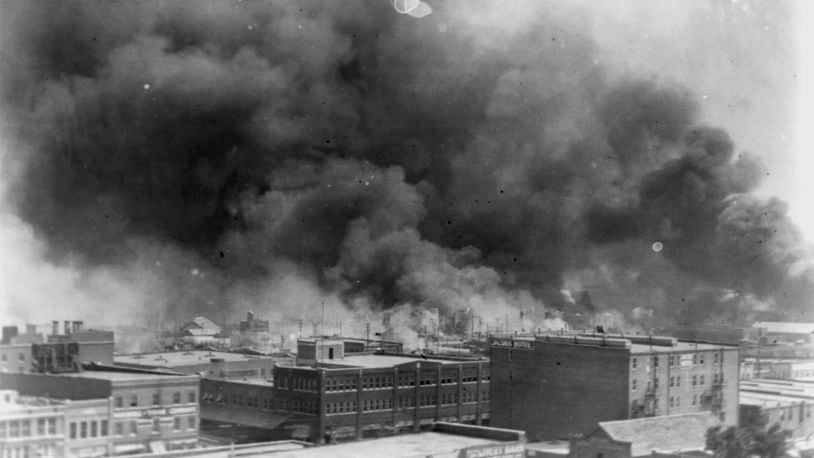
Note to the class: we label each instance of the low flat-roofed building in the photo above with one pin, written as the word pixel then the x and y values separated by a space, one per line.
pixel 150 412
pixel 444 440
pixel 667 435
pixel 801 369
pixel 210 364
pixel 787 403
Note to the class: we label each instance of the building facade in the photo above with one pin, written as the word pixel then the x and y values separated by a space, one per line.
pixel 557 386
pixel 210 364
pixel 150 412
pixel 788 404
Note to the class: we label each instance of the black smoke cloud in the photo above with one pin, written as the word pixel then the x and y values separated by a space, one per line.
pixel 397 162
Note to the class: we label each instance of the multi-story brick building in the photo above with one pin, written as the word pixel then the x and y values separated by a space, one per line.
pixel 553 386
pixel 339 396
pixel 149 412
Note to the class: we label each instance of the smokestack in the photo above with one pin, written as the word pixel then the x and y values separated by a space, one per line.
pixel 250 316
pixel 67 327
pixel 55 328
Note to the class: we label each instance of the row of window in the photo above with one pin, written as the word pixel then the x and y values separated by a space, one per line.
pixel 675 381
pixel 790 416
pixel 679 360
pixel 85 429
pixel 386 381
pixel 23 428
pixel 132 426
pixel 20 357
pixel 156 400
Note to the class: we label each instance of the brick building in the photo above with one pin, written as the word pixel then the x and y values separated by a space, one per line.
pixel 341 396
pixel 556 386
pixel 150 412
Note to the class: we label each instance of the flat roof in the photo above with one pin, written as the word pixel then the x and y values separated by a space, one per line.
pixel 172 359
pixel 681 346
pixel 114 376
pixel 794 389
pixel 372 361
pixel 405 445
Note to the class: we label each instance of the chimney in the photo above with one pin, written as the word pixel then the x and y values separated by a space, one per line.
pixel 55 328
pixel 67 327
pixel 250 316
pixel 77 326
pixel 9 332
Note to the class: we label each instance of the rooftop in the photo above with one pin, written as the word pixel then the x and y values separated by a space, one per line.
pixel 774 390
pixel 121 376
pixel 406 445
pixel 182 358
pixel 668 433
pixel 379 361
pixel 785 327
pixel 681 346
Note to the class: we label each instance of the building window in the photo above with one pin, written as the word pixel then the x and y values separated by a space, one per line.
pixel 701 380
pixel 40 426
pixel 176 423
pixel 21 356
pixel 104 428
pixel 192 397
pixel 191 422
pixel 83 429
pixel 176 397
pixel 3 357
pixel 156 425
pixel 672 382
pixel 93 429
pixel 655 361
pixel 133 428
pixel 694 380
pixel 678 380
pixel 118 401
pixel 633 363
pixel 118 429
pixel 694 399
pixel 156 398
pixel 52 426
pixel 656 383
pixel 134 400
pixel 73 430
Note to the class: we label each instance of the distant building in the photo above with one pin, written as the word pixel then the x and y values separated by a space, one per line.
pixel 554 386
pixel 149 412
pixel 211 364
pixel 55 352
pixel 664 436
pixel 786 403
pixel 774 332
pixel 338 396
pixel 201 331
pixel 722 334
pixel 252 324
pixel 781 369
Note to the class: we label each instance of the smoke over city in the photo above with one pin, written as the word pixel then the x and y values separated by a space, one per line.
pixel 180 158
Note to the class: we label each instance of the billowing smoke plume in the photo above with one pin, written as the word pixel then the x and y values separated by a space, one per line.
pixel 291 154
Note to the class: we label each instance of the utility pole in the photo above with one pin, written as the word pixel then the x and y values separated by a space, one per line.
pixel 367 332
pixel 300 324
pixel 314 328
